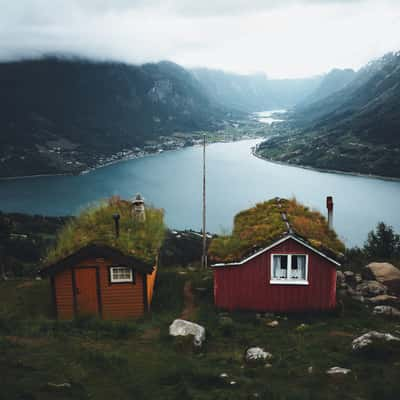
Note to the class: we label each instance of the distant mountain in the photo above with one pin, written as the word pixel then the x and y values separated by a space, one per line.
pixel 332 82
pixel 93 107
pixel 254 92
pixel 354 129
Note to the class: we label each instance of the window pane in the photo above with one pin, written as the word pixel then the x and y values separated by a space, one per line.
pixel 121 274
pixel 280 267
pixel 299 267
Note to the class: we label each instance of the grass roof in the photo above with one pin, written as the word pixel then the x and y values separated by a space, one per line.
pixel 263 224
pixel 95 225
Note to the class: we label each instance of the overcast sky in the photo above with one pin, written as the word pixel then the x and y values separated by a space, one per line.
pixel 283 38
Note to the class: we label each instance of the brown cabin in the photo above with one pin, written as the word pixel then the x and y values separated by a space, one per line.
pixel 102 281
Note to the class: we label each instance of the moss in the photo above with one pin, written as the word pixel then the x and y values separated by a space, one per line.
pixel 261 225
pixel 95 225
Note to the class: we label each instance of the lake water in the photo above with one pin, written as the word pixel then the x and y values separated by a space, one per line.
pixel 268 117
pixel 236 180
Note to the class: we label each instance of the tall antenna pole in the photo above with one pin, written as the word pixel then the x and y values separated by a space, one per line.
pixel 204 257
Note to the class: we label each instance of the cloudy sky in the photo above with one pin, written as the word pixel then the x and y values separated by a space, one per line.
pixel 283 38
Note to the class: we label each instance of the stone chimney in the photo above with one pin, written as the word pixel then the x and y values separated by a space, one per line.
pixel 329 206
pixel 138 210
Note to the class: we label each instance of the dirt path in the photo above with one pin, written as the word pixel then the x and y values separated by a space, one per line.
pixel 189 307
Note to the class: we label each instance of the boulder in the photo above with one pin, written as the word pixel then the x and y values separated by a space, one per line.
pixel 257 354
pixel 372 337
pixel 349 277
pixel 338 371
pixel 181 327
pixel 385 273
pixel 386 310
pixel 340 277
pixel 383 299
pixel 371 288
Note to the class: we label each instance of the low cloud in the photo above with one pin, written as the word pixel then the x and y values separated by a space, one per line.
pixel 282 38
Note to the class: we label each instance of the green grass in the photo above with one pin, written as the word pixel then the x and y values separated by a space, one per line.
pixel 261 225
pixel 139 360
pixel 139 239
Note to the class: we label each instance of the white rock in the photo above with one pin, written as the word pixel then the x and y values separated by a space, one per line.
pixel 338 371
pixel 386 310
pixel 368 338
pixel 181 327
pixel 257 353
pixel 223 375
pixel 232 382
pixel 273 324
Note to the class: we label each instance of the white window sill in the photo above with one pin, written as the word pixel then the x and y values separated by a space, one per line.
pixel 288 282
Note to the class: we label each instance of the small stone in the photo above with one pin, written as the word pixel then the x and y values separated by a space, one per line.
pixel 386 310
pixel 338 371
pixel 65 385
pixel 310 370
pixel 257 353
pixel 301 327
pixel 272 324
pixel 267 365
pixel 369 338
pixel 232 382
pixel 223 375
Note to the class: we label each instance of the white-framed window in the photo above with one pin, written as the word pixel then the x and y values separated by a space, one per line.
pixel 289 269
pixel 120 274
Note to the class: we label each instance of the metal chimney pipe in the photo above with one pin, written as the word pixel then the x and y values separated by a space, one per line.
pixel 116 218
pixel 329 206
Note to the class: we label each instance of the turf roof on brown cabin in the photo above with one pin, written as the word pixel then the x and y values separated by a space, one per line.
pixel 94 231
pixel 266 223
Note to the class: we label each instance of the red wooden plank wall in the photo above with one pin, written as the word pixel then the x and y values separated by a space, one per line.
pixel 247 287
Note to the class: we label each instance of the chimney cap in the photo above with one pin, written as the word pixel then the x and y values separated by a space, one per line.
pixel 138 199
pixel 329 203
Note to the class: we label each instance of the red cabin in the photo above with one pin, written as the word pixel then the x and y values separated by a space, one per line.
pixel 105 261
pixel 285 273
pixel 101 281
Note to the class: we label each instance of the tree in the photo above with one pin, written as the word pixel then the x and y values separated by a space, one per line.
pixel 383 243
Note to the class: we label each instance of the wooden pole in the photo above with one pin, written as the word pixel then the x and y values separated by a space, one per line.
pixel 204 257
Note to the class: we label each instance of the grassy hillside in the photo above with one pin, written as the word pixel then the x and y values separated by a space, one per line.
pixel 138 359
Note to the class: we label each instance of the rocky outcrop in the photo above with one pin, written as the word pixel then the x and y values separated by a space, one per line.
pixel 384 273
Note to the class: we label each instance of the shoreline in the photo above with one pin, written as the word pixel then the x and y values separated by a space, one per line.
pixel 327 171
pixel 127 158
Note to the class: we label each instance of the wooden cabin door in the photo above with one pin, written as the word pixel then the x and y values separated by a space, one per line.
pixel 86 294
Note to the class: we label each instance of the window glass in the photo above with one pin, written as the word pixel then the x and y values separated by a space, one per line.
pixel 121 274
pixel 280 267
pixel 298 267
pixel 289 266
